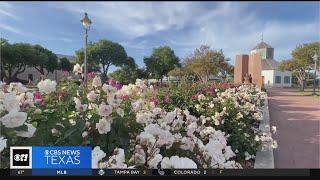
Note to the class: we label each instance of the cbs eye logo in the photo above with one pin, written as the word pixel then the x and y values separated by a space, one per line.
pixel 20 157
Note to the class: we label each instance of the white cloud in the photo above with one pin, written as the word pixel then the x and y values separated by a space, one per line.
pixel 10 28
pixel 230 26
pixel 8 10
pixel 134 19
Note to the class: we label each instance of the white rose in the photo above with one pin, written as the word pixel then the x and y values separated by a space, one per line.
pixel 10 101
pixel 104 126
pixel 87 124
pixel 97 155
pixel 14 119
pixel 3 144
pixel 92 96
pixel 96 82
pixel 201 97
pixel 153 163
pixel 84 107
pixel 29 133
pixel 77 69
pixel 120 112
pixel 178 163
pixel 85 134
pixel 108 88
pixel 29 95
pixel 47 86
pixel 38 111
pixel 105 110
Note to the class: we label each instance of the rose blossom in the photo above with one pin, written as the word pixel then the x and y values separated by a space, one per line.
pixel 92 96
pixel 105 110
pixel 47 86
pixel 96 82
pixel 14 119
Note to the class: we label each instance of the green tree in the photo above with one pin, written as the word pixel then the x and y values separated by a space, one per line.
pixel 93 64
pixel 16 57
pixel 302 62
pixel 5 55
pixel 128 73
pixel 47 60
pixel 65 64
pixel 105 53
pixel 226 71
pixel 161 61
pixel 203 63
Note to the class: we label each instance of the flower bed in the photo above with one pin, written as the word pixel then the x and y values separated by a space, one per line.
pixel 132 126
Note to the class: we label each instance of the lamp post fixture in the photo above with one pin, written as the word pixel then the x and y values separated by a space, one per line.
pixel 86 22
pixel 315 58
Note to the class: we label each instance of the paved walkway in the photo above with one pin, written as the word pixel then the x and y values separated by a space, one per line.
pixel 298 128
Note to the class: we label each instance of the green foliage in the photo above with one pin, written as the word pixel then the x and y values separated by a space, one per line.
pixel 93 64
pixel 161 61
pixel 105 53
pixel 128 73
pixel 47 60
pixel 205 62
pixel 65 64
pixel 302 61
pixel 16 57
pixel 185 96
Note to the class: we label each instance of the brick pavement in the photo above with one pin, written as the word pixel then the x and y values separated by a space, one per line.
pixel 297 119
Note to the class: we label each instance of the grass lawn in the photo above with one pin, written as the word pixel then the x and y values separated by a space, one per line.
pixel 309 93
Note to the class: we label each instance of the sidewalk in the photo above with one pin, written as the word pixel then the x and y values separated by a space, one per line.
pixel 298 128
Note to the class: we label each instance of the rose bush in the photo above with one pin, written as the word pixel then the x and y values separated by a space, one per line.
pixel 132 126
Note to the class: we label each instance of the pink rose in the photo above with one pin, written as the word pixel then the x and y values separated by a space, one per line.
pixel 90 75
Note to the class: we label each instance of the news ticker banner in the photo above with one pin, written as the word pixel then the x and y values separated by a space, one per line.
pixel 76 161
pixel 166 172
pixel 48 160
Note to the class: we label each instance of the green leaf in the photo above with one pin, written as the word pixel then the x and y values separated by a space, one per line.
pixel 39 117
pixel 22 128
pixel 69 132
pixel 35 124
pixel 59 128
pixel 80 125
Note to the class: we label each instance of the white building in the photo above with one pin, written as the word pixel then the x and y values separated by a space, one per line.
pixel 272 76
pixel 34 75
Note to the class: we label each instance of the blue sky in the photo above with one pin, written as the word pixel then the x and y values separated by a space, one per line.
pixel 235 27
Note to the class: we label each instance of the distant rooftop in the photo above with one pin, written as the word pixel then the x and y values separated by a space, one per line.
pixel 262 45
pixel 269 64
pixel 70 58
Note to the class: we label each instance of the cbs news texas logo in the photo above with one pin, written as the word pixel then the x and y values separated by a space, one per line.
pixel 50 157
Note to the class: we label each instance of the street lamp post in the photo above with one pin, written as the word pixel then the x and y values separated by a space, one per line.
pixel 315 58
pixel 0 60
pixel 86 22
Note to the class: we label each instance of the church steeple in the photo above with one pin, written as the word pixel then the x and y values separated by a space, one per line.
pixel 265 50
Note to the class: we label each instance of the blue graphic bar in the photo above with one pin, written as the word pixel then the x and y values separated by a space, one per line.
pixel 58 157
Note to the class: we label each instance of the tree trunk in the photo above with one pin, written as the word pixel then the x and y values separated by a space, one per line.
pixel 105 68
pixel 302 85
pixel 161 82
pixel 9 75
pixel 42 70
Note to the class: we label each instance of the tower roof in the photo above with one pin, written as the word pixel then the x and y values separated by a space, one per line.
pixel 262 45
